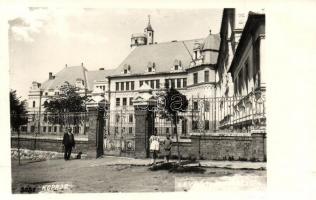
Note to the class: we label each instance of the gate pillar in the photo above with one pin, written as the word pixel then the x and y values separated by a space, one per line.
pixel 144 105
pixel 96 112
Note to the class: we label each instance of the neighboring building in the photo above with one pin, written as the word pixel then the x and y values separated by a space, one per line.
pixel 240 67
pixel 86 81
pixel 203 69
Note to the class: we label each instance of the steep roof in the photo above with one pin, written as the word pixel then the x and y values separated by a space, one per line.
pixel 212 42
pixel 97 75
pixel 69 74
pixel 162 54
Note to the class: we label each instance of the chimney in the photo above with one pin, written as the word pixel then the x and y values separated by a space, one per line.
pixel 210 31
pixel 82 64
pixel 101 69
pixel 50 75
pixel 66 65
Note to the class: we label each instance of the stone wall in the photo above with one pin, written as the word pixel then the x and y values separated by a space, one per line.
pixel 221 147
pixel 47 144
pixel 250 148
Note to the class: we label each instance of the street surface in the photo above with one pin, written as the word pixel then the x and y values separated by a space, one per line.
pixel 114 174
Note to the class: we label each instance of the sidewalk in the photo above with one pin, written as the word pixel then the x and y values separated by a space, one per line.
pixel 113 160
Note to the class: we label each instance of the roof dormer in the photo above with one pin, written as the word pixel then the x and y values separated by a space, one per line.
pixel 79 83
pixel 126 69
pixel 197 50
pixel 151 67
pixel 177 65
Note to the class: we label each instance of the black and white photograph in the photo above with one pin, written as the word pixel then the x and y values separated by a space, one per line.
pixel 141 100
pixel 133 100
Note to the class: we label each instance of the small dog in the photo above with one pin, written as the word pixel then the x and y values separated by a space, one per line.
pixel 79 155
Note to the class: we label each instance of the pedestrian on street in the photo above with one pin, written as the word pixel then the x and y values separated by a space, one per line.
pixel 154 146
pixel 167 147
pixel 69 143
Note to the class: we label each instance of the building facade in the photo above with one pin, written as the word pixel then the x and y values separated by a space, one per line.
pixel 206 70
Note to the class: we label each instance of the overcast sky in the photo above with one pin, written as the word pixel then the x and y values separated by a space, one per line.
pixel 44 40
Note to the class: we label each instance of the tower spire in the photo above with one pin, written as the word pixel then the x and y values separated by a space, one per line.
pixel 148 20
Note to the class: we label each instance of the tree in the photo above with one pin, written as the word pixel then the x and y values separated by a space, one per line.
pixel 174 102
pixel 60 107
pixel 18 111
pixel 18 115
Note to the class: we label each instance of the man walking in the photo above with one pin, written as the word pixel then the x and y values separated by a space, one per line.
pixel 69 143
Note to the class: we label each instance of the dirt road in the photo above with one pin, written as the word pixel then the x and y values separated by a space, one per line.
pixel 97 176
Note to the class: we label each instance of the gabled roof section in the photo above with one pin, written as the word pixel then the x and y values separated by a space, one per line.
pixel 69 74
pixel 162 54
pixel 97 75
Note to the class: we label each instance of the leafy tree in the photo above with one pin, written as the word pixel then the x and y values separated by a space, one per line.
pixel 173 103
pixel 17 111
pixel 62 109
pixel 18 115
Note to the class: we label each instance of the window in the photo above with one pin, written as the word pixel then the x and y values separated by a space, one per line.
pixel 49 129
pixel 172 83
pixel 33 104
pixel 207 125
pixel 60 129
pixel 56 93
pixel 130 118
pixel 147 82
pixel 152 84
pixel 46 93
pixel 141 83
pixel 176 67
pixel 131 101
pixel 32 129
pixel 24 128
pixel 55 129
pixel 195 78
pixel 117 118
pixel 206 76
pixel 44 129
pixel 117 86
pixel 247 77
pixel 178 83
pixel 157 84
pixel 195 105
pixel 166 83
pixel 132 85
pixel 118 101
pixel 127 85
pixel 194 125
pixel 167 130
pixel 125 71
pixel 195 54
pixel 124 101
pixel 130 130
pixel 116 130
pixel 122 86
pixel 206 106
pixel 149 34
pixel 184 82
pixel 150 69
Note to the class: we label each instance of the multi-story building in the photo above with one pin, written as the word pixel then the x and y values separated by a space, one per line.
pixel 202 69
pixel 240 67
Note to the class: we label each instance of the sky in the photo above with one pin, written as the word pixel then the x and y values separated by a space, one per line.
pixel 43 40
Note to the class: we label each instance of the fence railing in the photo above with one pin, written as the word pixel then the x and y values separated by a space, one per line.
pixel 204 115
